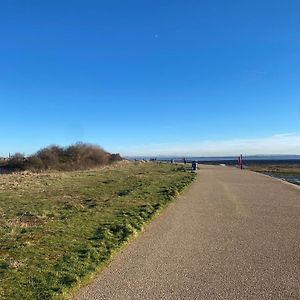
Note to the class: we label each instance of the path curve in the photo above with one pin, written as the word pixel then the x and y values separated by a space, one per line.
pixel 234 234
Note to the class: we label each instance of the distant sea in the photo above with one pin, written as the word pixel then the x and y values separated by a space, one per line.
pixel 231 160
pixel 279 160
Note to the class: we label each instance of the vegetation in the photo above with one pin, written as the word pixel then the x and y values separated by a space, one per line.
pixel 75 157
pixel 287 172
pixel 282 169
pixel 57 229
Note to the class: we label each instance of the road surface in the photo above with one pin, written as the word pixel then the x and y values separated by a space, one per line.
pixel 234 234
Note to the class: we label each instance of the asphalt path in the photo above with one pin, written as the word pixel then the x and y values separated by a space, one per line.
pixel 234 234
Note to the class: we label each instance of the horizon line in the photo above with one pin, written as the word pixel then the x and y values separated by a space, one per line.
pixel 213 156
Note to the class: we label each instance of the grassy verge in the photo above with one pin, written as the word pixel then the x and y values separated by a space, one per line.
pixel 290 173
pixel 283 169
pixel 57 229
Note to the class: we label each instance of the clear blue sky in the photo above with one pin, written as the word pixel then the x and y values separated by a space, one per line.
pixel 151 76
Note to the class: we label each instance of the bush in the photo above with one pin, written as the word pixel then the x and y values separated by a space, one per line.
pixel 17 162
pixel 51 156
pixel 79 156
pixel 115 157
pixel 35 163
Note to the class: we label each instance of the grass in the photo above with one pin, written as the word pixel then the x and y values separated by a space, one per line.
pixel 287 172
pixel 282 169
pixel 58 229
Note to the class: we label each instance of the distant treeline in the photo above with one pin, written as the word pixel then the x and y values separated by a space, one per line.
pixel 79 156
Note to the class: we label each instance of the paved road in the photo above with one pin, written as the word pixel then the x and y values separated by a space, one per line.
pixel 233 235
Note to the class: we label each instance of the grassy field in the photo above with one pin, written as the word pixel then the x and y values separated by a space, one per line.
pixel 58 229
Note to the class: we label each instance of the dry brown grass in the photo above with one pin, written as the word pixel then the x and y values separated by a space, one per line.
pixel 28 180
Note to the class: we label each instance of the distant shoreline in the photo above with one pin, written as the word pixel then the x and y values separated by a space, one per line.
pixel 266 158
pixel 233 161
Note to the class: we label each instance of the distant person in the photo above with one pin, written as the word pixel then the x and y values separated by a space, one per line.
pixel 194 166
pixel 240 161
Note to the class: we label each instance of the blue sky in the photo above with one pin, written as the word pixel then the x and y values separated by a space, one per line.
pixel 151 77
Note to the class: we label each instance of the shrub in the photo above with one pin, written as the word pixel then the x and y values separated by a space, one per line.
pixel 79 156
pixel 51 156
pixel 115 157
pixel 35 163
pixel 17 162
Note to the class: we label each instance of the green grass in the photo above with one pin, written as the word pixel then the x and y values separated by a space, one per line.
pixel 58 229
